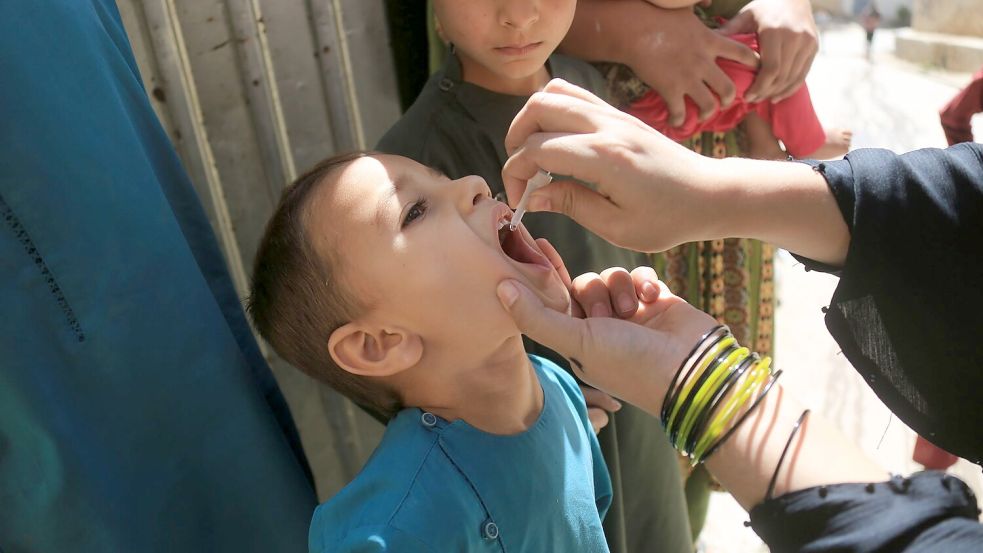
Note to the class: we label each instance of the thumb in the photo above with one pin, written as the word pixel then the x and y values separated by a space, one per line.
pixel 740 23
pixel 618 357
pixel 555 330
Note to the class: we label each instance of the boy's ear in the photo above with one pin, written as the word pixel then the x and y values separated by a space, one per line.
pixel 440 30
pixel 371 351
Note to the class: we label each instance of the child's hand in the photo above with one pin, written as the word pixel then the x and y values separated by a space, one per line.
pixel 631 359
pixel 599 405
pixel 615 291
pixel 602 295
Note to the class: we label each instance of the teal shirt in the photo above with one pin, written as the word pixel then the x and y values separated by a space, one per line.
pixel 437 486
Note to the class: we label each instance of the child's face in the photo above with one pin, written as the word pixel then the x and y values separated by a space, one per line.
pixel 422 252
pixel 508 39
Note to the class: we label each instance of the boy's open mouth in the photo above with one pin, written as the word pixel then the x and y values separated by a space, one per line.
pixel 515 245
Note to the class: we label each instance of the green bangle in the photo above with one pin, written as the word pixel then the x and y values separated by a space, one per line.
pixel 685 369
pixel 696 383
pixel 707 390
pixel 716 400
pixel 755 380
pixel 688 385
pixel 744 416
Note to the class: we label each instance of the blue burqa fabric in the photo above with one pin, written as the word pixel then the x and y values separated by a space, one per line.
pixel 136 411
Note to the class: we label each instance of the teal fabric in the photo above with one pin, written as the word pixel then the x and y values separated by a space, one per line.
pixel 136 412
pixel 436 486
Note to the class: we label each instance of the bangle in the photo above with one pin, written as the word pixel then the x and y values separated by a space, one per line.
pixel 700 426
pixel 712 387
pixel 706 368
pixel 753 382
pixel 708 340
pixel 781 458
pixel 744 417
pixel 687 385
pixel 704 392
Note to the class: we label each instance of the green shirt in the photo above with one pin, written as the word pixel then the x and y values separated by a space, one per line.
pixel 459 128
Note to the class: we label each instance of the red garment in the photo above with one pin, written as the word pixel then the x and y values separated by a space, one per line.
pixel 793 120
pixel 931 456
pixel 956 114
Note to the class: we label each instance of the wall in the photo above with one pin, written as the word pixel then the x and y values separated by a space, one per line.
pixel 251 92
pixel 957 17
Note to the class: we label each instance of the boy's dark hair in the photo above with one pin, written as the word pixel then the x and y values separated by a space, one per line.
pixel 297 300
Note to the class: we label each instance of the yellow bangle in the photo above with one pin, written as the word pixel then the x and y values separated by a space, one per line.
pixel 755 380
pixel 688 385
pixel 705 392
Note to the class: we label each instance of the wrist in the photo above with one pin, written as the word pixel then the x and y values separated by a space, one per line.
pixel 588 37
pixel 724 198
pixel 713 392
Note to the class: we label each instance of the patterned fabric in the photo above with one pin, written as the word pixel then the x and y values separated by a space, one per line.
pixel 730 279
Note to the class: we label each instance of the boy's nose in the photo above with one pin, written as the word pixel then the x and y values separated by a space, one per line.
pixel 471 191
pixel 519 14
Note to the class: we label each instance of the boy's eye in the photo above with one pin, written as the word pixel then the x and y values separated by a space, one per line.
pixel 417 210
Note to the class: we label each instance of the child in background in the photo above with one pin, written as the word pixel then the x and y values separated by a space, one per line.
pixel 957 114
pixel 502 51
pixel 792 120
pixel 377 275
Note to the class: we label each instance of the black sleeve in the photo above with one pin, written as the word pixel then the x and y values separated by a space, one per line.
pixel 928 512
pixel 908 311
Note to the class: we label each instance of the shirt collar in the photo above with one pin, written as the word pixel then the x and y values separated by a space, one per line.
pixel 492 111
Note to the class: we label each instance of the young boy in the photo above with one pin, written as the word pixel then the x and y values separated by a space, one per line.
pixel 792 120
pixel 502 51
pixel 377 275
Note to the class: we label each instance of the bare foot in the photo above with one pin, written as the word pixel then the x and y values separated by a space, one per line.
pixel 762 143
pixel 836 146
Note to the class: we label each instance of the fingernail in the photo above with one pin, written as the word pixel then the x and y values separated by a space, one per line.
pixel 507 293
pixel 650 291
pixel 600 310
pixel 617 405
pixel 540 203
pixel 625 303
pixel 751 98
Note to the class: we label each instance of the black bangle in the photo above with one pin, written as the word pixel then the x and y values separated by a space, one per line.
pixel 673 391
pixel 781 459
pixel 699 426
pixel 700 381
pixel 744 417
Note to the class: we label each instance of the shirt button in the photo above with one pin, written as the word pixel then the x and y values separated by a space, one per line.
pixel 429 419
pixel 446 84
pixel 490 531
